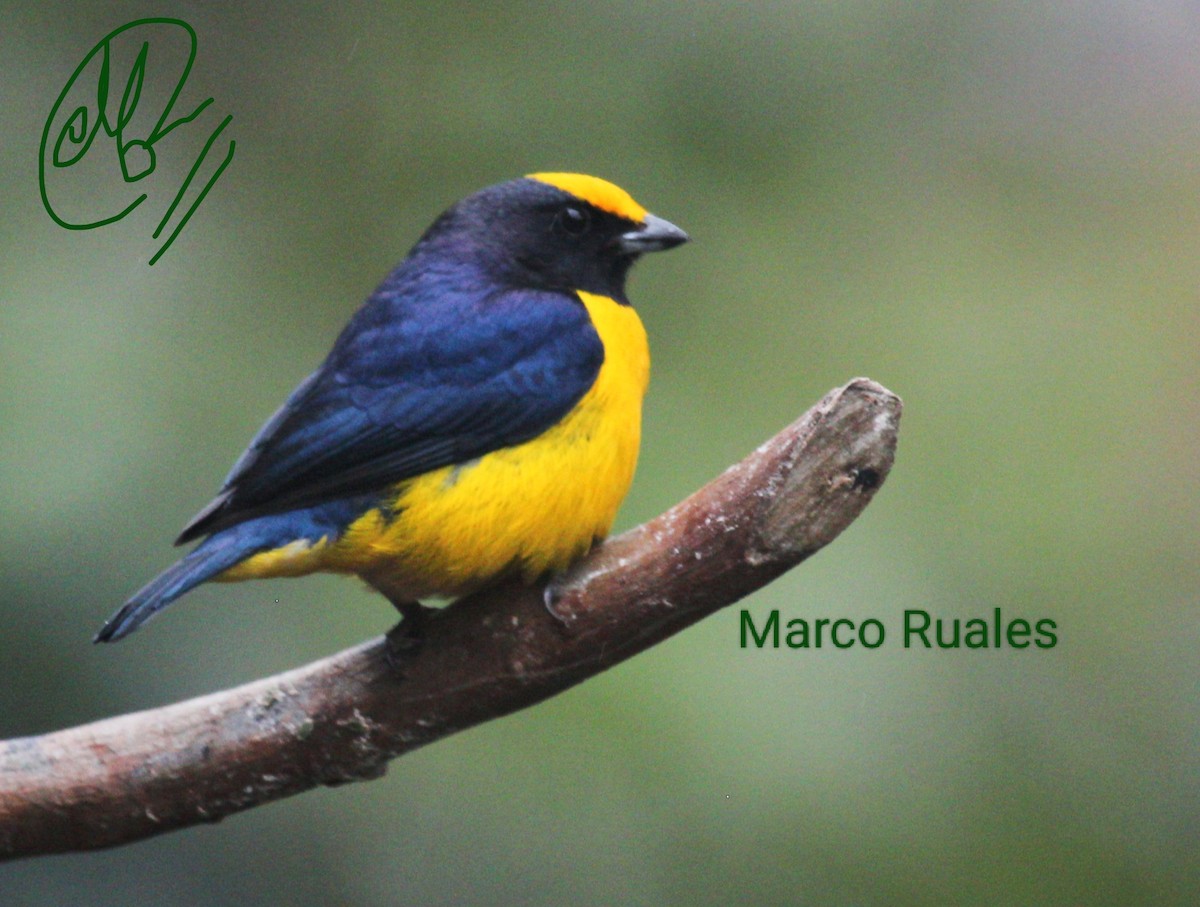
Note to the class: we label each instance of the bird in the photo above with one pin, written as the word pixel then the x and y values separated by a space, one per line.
pixel 477 419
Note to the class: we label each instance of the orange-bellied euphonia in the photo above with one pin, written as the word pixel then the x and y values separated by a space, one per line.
pixel 478 417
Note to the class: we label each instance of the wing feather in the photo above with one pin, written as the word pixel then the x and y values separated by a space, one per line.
pixel 412 387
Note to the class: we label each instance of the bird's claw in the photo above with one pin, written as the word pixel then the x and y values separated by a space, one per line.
pixel 551 596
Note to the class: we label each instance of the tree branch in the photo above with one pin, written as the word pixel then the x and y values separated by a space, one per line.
pixel 344 717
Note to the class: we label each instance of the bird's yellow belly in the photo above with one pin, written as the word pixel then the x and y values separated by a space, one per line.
pixel 527 509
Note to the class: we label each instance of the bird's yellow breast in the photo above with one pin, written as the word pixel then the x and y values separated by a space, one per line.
pixel 531 508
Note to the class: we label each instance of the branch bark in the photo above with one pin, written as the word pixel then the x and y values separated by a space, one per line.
pixel 343 718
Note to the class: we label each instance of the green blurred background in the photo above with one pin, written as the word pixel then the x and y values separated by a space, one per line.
pixel 993 209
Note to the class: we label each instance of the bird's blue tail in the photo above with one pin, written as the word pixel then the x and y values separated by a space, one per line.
pixel 219 552
pixel 216 554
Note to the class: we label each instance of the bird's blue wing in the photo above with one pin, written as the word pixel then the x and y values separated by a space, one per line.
pixel 411 387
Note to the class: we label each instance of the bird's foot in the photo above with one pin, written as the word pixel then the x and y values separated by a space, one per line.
pixel 551 596
pixel 404 641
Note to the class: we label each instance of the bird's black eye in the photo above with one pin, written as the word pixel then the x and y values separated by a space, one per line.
pixel 573 221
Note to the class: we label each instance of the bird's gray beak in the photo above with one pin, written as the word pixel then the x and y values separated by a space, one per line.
pixel 654 235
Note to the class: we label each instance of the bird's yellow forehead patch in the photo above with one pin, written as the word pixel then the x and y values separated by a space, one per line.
pixel 601 193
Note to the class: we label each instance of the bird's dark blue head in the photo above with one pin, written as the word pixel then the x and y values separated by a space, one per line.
pixel 551 231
